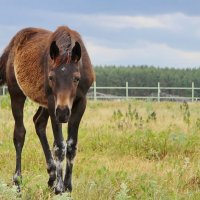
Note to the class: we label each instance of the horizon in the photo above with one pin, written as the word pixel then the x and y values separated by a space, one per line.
pixel 146 66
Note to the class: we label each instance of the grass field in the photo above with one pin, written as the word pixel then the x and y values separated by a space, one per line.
pixel 127 150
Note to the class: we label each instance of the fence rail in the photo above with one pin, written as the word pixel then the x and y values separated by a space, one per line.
pixel 93 93
pixel 157 95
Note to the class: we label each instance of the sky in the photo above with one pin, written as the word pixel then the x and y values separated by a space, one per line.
pixel 162 33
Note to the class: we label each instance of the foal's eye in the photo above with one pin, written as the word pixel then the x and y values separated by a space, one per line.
pixel 76 79
pixel 51 78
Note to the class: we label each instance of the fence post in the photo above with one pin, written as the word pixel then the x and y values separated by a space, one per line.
pixel 158 92
pixel 192 91
pixel 95 91
pixel 4 90
pixel 126 90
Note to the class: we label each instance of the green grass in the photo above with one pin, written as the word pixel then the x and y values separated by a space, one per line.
pixel 127 150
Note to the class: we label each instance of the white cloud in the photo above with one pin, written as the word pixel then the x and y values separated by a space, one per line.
pixel 123 21
pixel 143 52
pixel 170 21
pixel 114 21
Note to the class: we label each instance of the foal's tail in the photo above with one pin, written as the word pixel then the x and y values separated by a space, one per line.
pixel 3 62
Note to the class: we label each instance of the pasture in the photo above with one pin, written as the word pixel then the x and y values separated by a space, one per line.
pixel 126 150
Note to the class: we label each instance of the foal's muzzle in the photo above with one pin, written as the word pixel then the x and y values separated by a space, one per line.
pixel 62 114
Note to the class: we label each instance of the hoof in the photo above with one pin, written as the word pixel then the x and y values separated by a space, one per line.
pixel 57 191
pixel 17 179
pixel 68 188
pixel 18 189
pixel 68 185
pixel 52 178
pixel 51 182
pixel 52 175
pixel 59 188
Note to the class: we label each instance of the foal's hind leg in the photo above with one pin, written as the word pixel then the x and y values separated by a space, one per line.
pixel 17 104
pixel 40 120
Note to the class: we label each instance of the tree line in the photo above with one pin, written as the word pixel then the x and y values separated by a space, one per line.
pixel 147 76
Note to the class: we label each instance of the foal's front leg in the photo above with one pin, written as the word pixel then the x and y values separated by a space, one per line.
pixel 59 145
pixel 73 125
pixel 59 153
pixel 40 120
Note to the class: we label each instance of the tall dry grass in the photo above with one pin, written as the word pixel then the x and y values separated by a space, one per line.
pixel 127 150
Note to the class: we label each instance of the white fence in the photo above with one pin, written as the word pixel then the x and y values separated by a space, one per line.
pixel 158 93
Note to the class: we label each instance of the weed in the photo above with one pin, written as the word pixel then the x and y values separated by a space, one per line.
pixel 123 193
pixel 128 119
pixel 186 112
pixel 117 115
pixel 198 123
pixel 151 117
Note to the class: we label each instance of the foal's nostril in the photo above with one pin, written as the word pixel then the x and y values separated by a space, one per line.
pixel 67 111
pixel 62 114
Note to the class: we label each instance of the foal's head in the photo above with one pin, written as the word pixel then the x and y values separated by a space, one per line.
pixel 63 79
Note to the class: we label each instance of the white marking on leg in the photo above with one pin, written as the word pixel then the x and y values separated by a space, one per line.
pixel 63 150
pixel 51 164
pixel 70 142
pixel 70 162
pixel 58 165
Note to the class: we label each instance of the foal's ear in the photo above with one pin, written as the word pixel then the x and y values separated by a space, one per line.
pixel 54 50
pixel 76 52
